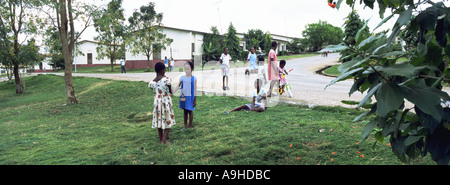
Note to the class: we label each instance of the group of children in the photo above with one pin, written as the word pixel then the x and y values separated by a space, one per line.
pixel 163 114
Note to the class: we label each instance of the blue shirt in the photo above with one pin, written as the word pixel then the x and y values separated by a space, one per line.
pixel 252 57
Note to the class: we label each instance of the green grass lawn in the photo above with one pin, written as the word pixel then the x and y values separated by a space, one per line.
pixel 111 125
pixel 332 71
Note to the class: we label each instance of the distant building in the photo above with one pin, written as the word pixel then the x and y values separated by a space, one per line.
pixel 186 44
pixel 88 56
pixel 44 66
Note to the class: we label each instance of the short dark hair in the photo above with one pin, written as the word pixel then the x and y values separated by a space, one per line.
pixel 190 64
pixel 274 44
pixel 159 67
pixel 283 62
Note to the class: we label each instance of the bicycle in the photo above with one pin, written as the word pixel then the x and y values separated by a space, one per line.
pixel 286 86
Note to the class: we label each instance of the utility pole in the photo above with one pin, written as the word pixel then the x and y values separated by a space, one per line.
pixel 220 20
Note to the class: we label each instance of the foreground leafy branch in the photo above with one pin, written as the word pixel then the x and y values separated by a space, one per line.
pixel 424 127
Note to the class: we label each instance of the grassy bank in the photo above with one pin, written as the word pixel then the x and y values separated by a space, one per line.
pixel 112 125
pixel 332 71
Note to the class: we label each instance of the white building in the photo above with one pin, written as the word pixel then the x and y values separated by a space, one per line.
pixel 44 65
pixel 88 56
pixel 185 45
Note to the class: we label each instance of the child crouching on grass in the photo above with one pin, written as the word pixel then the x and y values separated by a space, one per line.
pixel 163 115
pixel 259 101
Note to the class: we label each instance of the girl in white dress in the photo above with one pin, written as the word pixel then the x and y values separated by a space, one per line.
pixel 163 115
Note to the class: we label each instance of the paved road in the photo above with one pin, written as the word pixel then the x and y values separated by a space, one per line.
pixel 308 87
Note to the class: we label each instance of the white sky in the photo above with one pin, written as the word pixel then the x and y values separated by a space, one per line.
pixel 282 17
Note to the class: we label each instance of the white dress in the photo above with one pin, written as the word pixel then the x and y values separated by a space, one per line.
pixel 163 115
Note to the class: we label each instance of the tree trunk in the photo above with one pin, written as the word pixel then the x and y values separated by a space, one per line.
pixel 112 64
pixel 148 62
pixel 70 92
pixel 19 85
pixel 67 52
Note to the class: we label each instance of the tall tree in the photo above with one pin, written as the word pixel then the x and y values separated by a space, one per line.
pixel 321 34
pixel 232 42
pixel 54 48
pixel 111 29
pixel 146 34
pixel 352 25
pixel 296 46
pixel 17 19
pixel 254 38
pixel 266 45
pixel 66 12
pixel 213 44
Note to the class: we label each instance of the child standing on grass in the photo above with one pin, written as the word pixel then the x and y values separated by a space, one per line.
pixel 163 115
pixel 188 99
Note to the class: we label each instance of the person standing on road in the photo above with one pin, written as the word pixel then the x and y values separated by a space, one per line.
pixel 272 66
pixel 172 63
pixel 253 66
pixel 225 61
pixel 166 63
pixel 122 66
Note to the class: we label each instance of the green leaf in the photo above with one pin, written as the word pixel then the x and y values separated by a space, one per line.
pixel 353 64
pixel 383 21
pixel 379 136
pixel 422 49
pixel 424 98
pixel 393 35
pixel 369 94
pixel 412 139
pixel 382 8
pixel 360 31
pixel 405 17
pixel 338 4
pixel 334 48
pixel 349 2
pixel 344 67
pixel 369 3
pixel 344 76
pixel 368 129
pixel 389 97
pixel 399 148
pixel 406 70
pixel 427 18
pixel 365 44
pixel 393 53
pixel 349 102
pixel 356 85
pixel 361 116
